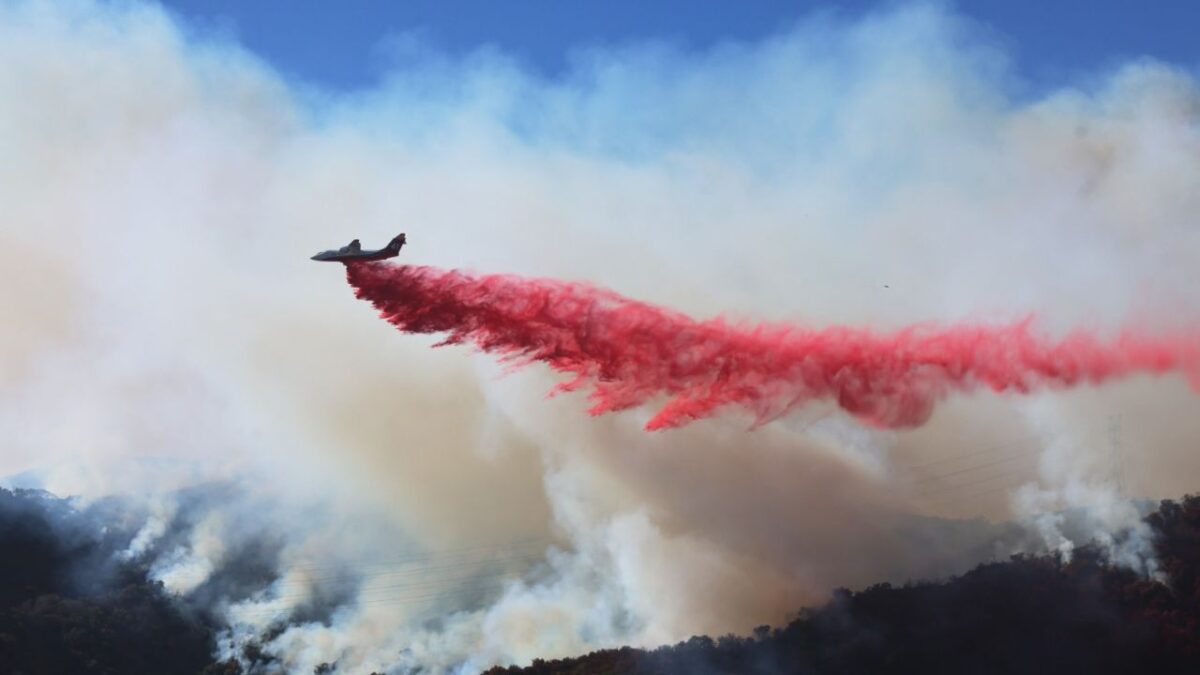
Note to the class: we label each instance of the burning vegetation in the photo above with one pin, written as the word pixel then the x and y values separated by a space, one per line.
pixel 1024 615
pixel 71 603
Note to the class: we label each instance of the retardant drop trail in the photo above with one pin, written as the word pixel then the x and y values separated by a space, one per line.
pixel 629 352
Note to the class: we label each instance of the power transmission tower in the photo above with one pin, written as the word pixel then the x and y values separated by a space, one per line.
pixel 1116 448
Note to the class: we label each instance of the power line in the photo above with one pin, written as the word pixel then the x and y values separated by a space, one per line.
pixel 986 479
pixel 395 593
pixel 460 556
pixel 1116 444
pixel 412 578
pixel 1008 458
pixel 432 555
pixel 980 493
pixel 408 567
pixel 984 451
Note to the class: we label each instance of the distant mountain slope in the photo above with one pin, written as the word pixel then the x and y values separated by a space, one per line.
pixel 1027 615
pixel 68 606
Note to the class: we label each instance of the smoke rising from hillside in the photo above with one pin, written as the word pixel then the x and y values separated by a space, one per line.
pixel 170 341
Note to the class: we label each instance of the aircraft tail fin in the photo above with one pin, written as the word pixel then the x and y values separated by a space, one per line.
pixel 397 243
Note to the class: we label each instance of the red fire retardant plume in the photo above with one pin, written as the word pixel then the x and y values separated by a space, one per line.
pixel 630 352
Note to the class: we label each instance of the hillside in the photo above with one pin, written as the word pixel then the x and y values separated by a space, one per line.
pixel 1026 615
pixel 68 604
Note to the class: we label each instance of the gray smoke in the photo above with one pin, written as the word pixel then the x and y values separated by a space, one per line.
pixel 343 494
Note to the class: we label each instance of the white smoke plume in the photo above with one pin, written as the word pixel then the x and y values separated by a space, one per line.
pixel 342 494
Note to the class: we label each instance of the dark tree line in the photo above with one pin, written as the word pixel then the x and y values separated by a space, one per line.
pixel 1027 615
pixel 68 604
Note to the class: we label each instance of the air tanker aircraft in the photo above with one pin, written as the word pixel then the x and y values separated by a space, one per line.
pixel 353 252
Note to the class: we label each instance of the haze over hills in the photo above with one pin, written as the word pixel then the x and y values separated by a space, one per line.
pixel 1026 615
pixel 71 603
pixel 265 476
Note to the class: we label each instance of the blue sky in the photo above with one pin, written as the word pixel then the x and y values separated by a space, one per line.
pixel 342 45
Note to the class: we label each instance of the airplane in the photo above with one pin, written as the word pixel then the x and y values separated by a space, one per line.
pixel 353 252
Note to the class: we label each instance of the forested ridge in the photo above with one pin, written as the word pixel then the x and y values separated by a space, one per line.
pixel 70 603
pixel 1029 614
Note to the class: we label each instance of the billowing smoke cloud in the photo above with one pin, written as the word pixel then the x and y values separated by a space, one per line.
pixel 341 496
pixel 631 351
